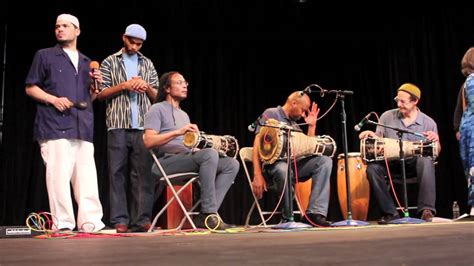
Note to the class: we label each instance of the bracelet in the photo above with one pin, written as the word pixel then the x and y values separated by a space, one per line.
pixel 46 99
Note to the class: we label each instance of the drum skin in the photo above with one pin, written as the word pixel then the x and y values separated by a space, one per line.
pixel 359 186
pixel 271 145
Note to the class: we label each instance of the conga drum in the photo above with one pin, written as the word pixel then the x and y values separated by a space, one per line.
pixel 303 192
pixel 359 185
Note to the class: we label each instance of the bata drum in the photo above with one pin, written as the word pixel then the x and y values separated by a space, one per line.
pixel 378 149
pixel 274 141
pixel 226 145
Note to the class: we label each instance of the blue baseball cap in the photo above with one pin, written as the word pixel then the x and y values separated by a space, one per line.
pixel 136 31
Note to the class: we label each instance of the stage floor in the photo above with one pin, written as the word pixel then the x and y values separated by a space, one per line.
pixel 408 244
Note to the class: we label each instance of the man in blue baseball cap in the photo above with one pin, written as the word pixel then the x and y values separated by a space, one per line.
pixel 129 87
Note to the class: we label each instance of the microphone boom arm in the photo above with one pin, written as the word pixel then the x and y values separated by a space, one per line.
pixel 397 129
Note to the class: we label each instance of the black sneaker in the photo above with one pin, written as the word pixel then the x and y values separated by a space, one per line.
pixel 315 218
pixel 387 218
pixel 214 222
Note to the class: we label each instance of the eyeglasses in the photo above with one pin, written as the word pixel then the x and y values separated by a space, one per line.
pixel 402 102
pixel 181 82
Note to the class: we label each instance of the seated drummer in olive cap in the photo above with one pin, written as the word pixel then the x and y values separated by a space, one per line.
pixel 409 117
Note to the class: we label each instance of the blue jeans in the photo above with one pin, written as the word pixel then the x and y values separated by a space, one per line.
pixel 424 170
pixel 318 168
pixel 129 173
pixel 216 174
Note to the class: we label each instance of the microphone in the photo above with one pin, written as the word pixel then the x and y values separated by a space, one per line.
pixel 307 90
pixel 82 105
pixel 254 125
pixel 362 122
pixel 344 92
pixel 323 91
pixel 95 65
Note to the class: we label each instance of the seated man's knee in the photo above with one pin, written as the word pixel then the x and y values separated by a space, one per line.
pixel 235 165
pixel 209 154
pixel 279 172
pixel 326 161
pixel 373 171
pixel 425 161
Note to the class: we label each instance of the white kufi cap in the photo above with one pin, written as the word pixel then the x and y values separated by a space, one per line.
pixel 69 18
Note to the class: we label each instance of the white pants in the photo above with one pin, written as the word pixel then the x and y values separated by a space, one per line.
pixel 71 161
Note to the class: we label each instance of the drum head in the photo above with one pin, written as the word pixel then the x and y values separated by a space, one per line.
pixel 367 149
pixel 190 139
pixel 269 146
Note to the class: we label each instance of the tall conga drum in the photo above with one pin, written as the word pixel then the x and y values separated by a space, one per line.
pixel 360 189
pixel 303 190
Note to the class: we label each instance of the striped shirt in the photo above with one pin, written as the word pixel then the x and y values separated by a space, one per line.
pixel 118 113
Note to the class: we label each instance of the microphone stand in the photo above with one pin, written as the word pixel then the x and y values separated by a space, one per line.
pixel 406 215
pixel 291 224
pixel 349 221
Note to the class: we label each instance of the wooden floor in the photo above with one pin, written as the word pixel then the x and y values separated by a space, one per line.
pixel 409 244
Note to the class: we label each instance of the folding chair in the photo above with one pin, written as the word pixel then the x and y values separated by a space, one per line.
pixel 184 180
pixel 412 183
pixel 412 187
pixel 246 154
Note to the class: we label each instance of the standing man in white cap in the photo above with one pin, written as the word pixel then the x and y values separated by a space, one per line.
pixel 130 85
pixel 60 77
pixel 408 117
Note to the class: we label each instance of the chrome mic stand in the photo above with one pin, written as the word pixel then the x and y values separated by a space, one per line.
pixel 349 221
pixel 406 215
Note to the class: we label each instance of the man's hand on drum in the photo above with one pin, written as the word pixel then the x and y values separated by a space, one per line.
pixel 312 116
pixel 366 134
pixel 187 128
pixel 259 185
pixel 431 135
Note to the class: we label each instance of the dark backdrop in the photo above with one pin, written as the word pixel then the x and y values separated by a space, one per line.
pixel 239 60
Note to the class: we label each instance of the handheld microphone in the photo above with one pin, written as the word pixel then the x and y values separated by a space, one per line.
pixel 254 125
pixel 94 65
pixel 82 105
pixel 362 122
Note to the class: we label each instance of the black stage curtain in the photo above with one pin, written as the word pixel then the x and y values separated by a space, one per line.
pixel 241 59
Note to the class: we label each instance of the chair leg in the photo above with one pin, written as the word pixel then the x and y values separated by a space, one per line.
pixel 247 220
pixel 170 201
pixel 175 195
pixel 255 202
pixel 191 211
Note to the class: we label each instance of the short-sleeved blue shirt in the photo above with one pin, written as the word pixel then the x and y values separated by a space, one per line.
pixel 53 71
pixel 278 114
pixel 394 118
